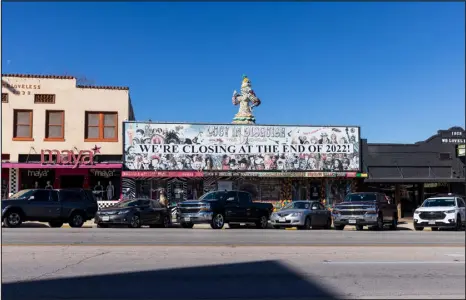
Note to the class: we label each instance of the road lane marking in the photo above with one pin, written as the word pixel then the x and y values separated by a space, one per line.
pixel 81 244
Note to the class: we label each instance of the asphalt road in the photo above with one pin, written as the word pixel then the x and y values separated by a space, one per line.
pixel 222 272
pixel 228 237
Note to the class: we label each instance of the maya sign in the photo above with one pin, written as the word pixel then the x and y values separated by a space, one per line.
pixel 67 157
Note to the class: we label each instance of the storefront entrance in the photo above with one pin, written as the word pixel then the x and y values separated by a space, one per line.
pixel 71 181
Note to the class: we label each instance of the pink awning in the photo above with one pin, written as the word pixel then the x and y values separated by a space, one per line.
pixel 47 166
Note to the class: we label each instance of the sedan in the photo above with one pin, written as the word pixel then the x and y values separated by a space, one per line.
pixel 303 215
pixel 134 214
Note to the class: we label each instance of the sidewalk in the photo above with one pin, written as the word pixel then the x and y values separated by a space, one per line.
pixel 404 224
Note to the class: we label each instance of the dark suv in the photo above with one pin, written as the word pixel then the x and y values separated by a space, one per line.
pixel 58 206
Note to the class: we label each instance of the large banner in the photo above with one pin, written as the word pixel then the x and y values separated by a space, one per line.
pixel 225 147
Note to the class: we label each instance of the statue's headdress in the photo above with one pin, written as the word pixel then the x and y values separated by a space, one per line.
pixel 246 81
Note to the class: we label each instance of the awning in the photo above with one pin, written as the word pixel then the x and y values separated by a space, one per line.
pixel 51 166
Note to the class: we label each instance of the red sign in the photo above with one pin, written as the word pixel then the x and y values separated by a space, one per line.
pixel 67 157
pixel 161 174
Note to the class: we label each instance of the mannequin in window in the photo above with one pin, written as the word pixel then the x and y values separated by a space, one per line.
pixel 36 185
pixel 163 199
pixel 49 186
pixel 110 191
pixel 99 191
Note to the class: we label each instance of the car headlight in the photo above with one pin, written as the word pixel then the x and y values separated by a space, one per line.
pixel 297 214
pixel 122 212
pixel 452 211
pixel 416 212
pixel 274 215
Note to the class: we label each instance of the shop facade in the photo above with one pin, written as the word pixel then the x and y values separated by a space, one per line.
pixel 59 134
pixel 410 173
pixel 275 163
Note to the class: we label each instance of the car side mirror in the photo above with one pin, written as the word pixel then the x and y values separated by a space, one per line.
pixel 31 198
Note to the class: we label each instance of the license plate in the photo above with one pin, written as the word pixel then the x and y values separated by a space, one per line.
pixel 187 219
pixel 352 221
pixel 105 218
pixel 282 220
pixel 431 222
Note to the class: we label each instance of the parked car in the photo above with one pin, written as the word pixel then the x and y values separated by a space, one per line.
pixel 220 207
pixel 303 215
pixel 134 214
pixel 57 206
pixel 365 209
pixel 442 211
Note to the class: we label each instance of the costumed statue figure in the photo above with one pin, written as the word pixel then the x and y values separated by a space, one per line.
pixel 247 100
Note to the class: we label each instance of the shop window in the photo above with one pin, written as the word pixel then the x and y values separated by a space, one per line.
pixel 4 98
pixel 54 125
pixel 44 99
pixel 101 127
pixel 22 127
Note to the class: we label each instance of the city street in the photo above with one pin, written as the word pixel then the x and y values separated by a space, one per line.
pixel 231 264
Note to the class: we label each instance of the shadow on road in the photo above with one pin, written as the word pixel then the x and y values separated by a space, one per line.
pixel 256 280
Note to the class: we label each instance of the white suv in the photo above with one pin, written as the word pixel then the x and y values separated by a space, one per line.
pixel 440 212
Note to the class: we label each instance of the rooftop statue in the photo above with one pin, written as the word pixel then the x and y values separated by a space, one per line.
pixel 247 100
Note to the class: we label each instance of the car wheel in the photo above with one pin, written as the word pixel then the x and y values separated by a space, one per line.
pixel 13 219
pixel 339 227
pixel 418 228
pixel 359 227
pixel 135 222
pixel 233 226
pixel 100 225
pixel 328 225
pixel 394 224
pixel 76 220
pixel 218 221
pixel 187 225
pixel 434 228
pixel 307 224
pixel 263 222
pixel 166 222
pixel 55 224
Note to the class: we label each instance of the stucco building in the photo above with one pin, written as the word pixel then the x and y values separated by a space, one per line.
pixel 56 133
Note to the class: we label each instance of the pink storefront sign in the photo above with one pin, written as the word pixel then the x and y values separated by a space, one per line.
pixel 62 166
pixel 150 174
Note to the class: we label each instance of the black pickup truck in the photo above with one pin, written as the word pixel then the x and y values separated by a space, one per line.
pixel 365 209
pixel 220 207
pixel 58 206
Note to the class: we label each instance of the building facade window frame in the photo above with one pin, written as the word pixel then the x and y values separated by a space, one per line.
pixel 101 122
pixel 29 137
pixel 48 126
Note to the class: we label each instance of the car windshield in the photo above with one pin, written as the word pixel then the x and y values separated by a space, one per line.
pixel 22 194
pixel 213 196
pixel 298 205
pixel 436 202
pixel 128 203
pixel 360 197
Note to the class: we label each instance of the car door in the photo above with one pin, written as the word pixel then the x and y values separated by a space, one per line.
pixel 146 213
pixel 316 214
pixel 245 212
pixel 461 206
pixel 41 207
pixel 69 200
pixel 232 206
pixel 155 213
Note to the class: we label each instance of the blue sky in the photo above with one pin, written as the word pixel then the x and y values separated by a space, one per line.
pixel 395 69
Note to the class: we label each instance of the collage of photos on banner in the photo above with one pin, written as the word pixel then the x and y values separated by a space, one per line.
pixel 201 147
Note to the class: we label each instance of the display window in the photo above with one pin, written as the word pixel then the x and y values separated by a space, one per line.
pixel 37 179
pixel 105 183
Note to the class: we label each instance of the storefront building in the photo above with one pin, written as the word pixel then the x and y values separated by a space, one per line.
pixel 57 134
pixel 275 163
pixel 410 173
